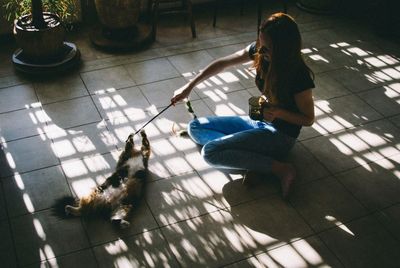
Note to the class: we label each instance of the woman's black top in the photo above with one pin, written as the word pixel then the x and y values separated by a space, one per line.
pixel 300 82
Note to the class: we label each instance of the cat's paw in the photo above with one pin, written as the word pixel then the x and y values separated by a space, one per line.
pixel 120 223
pixel 124 224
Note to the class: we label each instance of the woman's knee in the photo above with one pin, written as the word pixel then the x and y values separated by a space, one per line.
pixel 210 150
pixel 193 124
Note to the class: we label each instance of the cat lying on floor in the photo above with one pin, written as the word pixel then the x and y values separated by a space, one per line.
pixel 116 197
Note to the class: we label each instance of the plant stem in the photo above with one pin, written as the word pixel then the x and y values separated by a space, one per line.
pixel 37 14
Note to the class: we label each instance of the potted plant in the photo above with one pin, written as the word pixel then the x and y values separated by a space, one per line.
pixel 40 34
pixel 120 27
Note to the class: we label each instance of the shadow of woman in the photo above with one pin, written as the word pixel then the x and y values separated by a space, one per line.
pixel 272 227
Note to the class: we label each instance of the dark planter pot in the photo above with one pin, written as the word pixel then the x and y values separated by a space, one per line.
pixel 40 45
pixel 121 29
pixel 118 14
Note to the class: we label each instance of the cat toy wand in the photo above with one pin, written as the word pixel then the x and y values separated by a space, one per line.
pixel 148 122
pixel 188 106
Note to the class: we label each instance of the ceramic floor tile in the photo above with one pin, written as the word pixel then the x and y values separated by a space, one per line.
pixel 325 203
pixel 151 71
pixel 101 231
pixel 355 80
pixel 159 94
pixel 390 47
pixel 253 91
pixel 124 102
pixel 219 85
pixel 313 40
pixel 341 113
pixel 327 88
pixel 179 198
pixel 85 174
pixel 82 141
pixel 72 113
pixel 17 97
pixel 234 103
pixel 22 123
pixel 223 51
pixel 395 120
pixel 382 138
pixel 145 250
pixel 8 79
pixel 234 236
pixel 211 240
pixel 320 62
pixel 6 69
pixel 165 153
pixel 385 100
pixel 24 193
pixel 229 189
pixel 41 236
pixel 3 210
pixel 337 155
pixel 29 154
pixel 80 259
pixel 343 54
pixel 346 34
pixel 190 62
pixel 7 253
pixel 272 217
pixel 385 64
pixel 309 252
pixel 246 263
pixel 105 79
pixel 311 132
pixel 375 185
pixel 63 88
pixel 390 218
pixel 246 75
pixel 307 167
pixel 6 163
pixel 363 243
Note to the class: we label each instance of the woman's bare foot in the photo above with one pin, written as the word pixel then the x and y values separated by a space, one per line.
pixel 287 175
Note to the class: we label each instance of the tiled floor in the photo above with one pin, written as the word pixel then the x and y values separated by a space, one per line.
pixel 61 136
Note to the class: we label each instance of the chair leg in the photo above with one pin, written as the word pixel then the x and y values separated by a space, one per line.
pixel 190 13
pixel 154 10
pixel 216 5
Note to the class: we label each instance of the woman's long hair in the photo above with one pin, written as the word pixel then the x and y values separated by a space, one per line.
pixel 286 59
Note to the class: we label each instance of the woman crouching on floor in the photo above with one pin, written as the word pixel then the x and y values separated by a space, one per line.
pixel 285 82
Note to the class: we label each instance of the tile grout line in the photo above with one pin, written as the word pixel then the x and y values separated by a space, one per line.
pixel 8 220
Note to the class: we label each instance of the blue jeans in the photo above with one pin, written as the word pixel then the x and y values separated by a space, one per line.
pixel 239 143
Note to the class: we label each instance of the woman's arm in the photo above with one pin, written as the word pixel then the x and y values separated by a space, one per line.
pixel 305 117
pixel 213 68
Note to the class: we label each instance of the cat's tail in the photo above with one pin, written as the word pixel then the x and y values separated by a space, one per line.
pixel 58 208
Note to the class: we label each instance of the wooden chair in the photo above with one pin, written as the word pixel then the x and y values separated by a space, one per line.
pixel 171 7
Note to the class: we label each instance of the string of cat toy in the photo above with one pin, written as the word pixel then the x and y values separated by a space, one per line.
pixel 188 107
pixel 148 122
